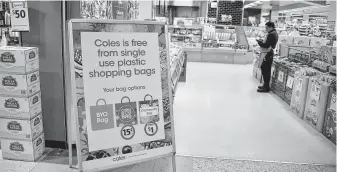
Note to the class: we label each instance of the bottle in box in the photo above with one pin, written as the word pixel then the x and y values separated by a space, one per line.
pixel 24 150
pixel 20 107
pixel 19 85
pixel 21 129
pixel 19 60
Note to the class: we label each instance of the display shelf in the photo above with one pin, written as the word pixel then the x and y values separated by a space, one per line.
pixel 177 65
pixel 186 36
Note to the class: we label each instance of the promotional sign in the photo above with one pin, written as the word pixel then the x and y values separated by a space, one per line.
pixel 120 69
pixel 125 115
pixel 19 15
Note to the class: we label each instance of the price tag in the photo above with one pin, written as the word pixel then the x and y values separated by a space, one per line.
pixel 280 76
pixel 19 15
pixel 290 82
pixel 128 132
pixel 151 129
pixel 315 91
pixel 333 102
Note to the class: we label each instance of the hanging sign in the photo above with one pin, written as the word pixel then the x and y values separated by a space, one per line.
pixel 214 5
pixel 19 15
pixel 126 117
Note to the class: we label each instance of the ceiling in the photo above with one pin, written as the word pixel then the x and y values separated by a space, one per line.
pixel 280 4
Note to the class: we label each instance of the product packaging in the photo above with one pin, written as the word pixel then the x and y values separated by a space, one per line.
pixel 316 42
pixel 299 94
pixel 329 126
pixel 285 39
pixel 19 60
pixel 20 85
pixel 316 103
pixel 21 129
pixel 149 110
pixel 20 108
pixel 28 150
pixel 302 40
pixel 126 113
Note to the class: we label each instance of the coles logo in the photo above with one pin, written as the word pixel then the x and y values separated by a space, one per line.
pixel 33 78
pixel 37 121
pixel 16 146
pixel 12 103
pixel 35 99
pixel 119 158
pixel 14 126
pixel 38 142
pixel 32 55
pixel 9 81
pixel 7 57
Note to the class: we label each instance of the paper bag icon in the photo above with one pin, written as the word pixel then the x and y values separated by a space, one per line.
pixel 101 116
pixel 148 110
pixel 126 113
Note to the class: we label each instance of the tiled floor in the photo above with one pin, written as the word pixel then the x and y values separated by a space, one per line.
pixel 219 114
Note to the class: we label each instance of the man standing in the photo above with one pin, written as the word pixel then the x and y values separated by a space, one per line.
pixel 266 55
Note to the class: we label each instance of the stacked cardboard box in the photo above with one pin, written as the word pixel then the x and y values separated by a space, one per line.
pixel 329 126
pixel 21 126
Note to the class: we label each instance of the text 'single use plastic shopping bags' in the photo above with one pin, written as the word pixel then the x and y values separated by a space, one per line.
pixel 101 116
pixel 126 113
pixel 149 110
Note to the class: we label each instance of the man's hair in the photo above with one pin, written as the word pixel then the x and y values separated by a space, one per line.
pixel 270 24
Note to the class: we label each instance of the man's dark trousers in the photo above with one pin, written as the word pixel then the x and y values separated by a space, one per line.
pixel 266 69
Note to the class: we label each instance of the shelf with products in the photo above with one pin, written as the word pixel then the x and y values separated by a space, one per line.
pixel 186 36
pixel 177 64
pixel 305 85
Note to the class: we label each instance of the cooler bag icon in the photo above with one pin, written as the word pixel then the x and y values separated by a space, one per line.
pixel 148 110
pixel 101 116
pixel 126 113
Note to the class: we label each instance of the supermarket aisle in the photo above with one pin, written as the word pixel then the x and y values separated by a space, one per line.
pixel 218 113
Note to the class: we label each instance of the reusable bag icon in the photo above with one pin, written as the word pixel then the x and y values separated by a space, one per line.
pixel 126 113
pixel 101 116
pixel 148 110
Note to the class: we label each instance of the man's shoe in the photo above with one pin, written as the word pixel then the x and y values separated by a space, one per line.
pixel 260 87
pixel 263 90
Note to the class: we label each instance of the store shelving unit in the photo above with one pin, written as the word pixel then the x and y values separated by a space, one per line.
pixel 177 66
pixel 186 36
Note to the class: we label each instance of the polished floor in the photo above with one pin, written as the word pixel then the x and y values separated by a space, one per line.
pixel 218 113
pixel 223 125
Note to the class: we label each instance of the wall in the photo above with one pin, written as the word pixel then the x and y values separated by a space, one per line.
pixel 46 33
pixel 332 11
pixel 225 7
pixel 145 9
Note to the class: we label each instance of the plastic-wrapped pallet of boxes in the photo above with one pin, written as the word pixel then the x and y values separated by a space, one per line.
pixel 21 126
pixel 255 67
pixel 280 80
pixel 300 88
pixel 329 126
pixel 317 100
pixel 289 83
pixel 274 70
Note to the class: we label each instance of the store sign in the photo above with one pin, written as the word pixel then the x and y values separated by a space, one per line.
pixel 19 15
pixel 214 5
pixel 124 116
pixel 119 70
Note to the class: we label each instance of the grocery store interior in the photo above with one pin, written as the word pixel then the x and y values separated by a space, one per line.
pixel 221 123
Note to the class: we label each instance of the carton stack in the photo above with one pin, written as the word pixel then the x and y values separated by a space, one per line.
pixel 21 127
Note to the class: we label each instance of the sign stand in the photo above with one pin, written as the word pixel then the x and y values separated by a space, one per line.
pixel 140 138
